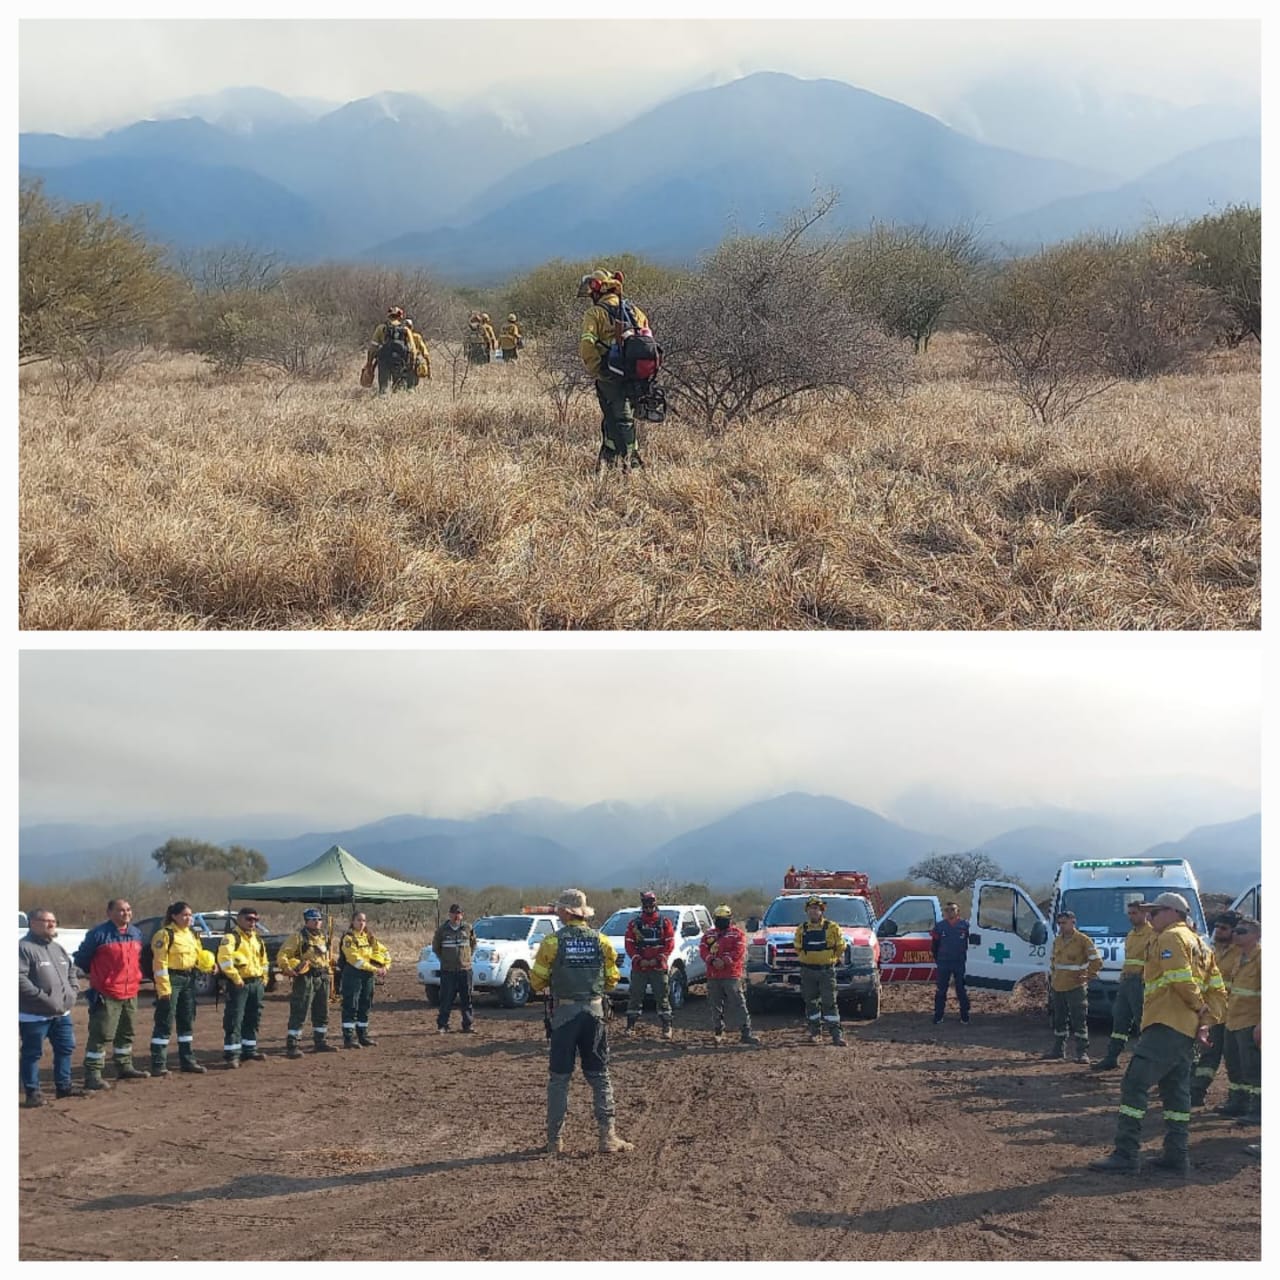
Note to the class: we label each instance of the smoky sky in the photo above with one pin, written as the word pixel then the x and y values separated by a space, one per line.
pixel 346 736
pixel 81 73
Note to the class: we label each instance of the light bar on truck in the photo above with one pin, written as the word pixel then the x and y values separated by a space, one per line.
pixel 1129 862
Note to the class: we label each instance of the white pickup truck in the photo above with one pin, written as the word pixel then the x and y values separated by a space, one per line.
pixel 686 967
pixel 68 939
pixel 505 948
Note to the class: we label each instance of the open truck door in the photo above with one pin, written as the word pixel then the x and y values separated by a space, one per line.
pixel 906 950
pixel 1008 937
pixel 1249 903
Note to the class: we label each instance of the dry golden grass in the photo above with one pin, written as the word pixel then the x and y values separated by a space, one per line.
pixel 180 500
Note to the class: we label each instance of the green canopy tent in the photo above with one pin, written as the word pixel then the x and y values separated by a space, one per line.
pixel 334 877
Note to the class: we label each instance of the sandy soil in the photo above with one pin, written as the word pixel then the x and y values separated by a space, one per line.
pixel 917 1142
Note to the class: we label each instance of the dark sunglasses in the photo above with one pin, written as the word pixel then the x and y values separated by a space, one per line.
pixel 1241 931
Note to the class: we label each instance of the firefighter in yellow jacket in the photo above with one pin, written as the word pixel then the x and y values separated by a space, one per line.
pixel 1174 1010
pixel 1073 965
pixel 618 425
pixel 1225 955
pixel 177 955
pixel 1126 1013
pixel 819 948
pixel 305 958
pixel 490 338
pixel 509 339
pixel 243 964
pixel 421 357
pixel 1244 1013
pixel 364 960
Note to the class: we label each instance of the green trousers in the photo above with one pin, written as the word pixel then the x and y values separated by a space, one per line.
pixel 660 982
pixel 310 994
pixel 1208 1060
pixel 357 998
pixel 1126 1014
pixel 240 1017
pixel 1244 1070
pixel 110 1023
pixel 179 1007
pixel 618 426
pixel 1162 1060
pixel 726 999
pixel 818 987
pixel 1069 1013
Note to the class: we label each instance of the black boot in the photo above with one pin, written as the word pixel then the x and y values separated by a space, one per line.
pixel 34 1098
pixel 1235 1105
pixel 1082 1051
pixel 1057 1052
pixel 322 1045
pixel 69 1091
pixel 837 1037
pixel 1174 1162
pixel 366 1041
pixel 292 1049
pixel 125 1070
pixel 230 1059
pixel 187 1062
pixel 349 1040
pixel 632 1019
pixel 748 1036
pixel 1112 1060
pixel 1116 1162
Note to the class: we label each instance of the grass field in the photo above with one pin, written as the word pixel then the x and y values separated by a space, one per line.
pixel 179 499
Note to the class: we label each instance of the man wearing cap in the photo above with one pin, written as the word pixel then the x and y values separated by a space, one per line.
pixel 1173 1010
pixel 1126 1013
pixel 578 965
pixel 819 948
pixel 724 951
pixel 949 942
pixel 1075 961
pixel 305 958
pixel 242 961
pixel 1226 956
pixel 1244 1013
pixel 650 939
pixel 455 943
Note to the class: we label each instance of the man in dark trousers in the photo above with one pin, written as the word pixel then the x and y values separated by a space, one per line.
pixel 455 943
pixel 950 946
pixel 111 954
pixel 47 990
pixel 650 939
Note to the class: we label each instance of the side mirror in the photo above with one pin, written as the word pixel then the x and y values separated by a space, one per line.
pixel 887 929
pixel 1039 934
pixel 753 923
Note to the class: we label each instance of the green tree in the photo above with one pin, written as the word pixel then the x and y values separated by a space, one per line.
pixel 85 279
pixel 180 854
pixel 955 871
pixel 1228 249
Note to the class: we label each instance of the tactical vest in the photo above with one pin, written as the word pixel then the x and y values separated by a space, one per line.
pixel 578 970
pixel 650 932
pixel 815 937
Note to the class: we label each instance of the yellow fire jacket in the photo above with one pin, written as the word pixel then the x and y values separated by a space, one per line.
pixel 179 949
pixel 831 954
pixel 509 338
pixel 304 953
pixel 1171 994
pixel 422 358
pixel 597 331
pixel 490 338
pixel 1135 950
pixel 540 974
pixel 242 956
pixel 1075 960
pixel 363 952
pixel 1245 1007
pixel 1213 985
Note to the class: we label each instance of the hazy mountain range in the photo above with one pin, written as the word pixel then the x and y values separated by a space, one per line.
pixel 477 193
pixel 608 844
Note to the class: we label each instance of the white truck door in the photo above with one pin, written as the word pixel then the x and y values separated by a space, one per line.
pixel 906 951
pixel 1008 937
pixel 1249 903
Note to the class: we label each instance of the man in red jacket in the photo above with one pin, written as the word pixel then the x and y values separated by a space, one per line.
pixel 111 955
pixel 724 949
pixel 650 940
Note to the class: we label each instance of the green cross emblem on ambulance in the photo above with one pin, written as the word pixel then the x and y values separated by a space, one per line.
pixel 999 953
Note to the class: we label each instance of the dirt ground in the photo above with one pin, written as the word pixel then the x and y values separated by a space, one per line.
pixel 917 1142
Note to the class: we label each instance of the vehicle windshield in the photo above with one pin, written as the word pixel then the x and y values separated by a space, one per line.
pixel 616 925
pixel 1100 912
pixel 502 928
pixel 846 911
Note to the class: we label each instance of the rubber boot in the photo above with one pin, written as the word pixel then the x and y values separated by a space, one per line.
pixel 93 1081
pixel 1112 1059
pixel 187 1062
pixel 610 1143
pixel 366 1041
pixel 1116 1162
pixel 159 1063
pixel 1082 1051
pixel 292 1049
pixel 837 1036
pixel 322 1045
pixel 748 1037
pixel 349 1040
pixel 1057 1052
pixel 125 1070
pixel 34 1098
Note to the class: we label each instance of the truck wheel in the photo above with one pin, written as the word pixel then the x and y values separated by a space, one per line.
pixel 206 983
pixel 678 988
pixel 433 994
pixel 515 991
pixel 869 1007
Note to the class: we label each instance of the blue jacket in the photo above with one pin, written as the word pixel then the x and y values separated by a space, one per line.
pixel 950 942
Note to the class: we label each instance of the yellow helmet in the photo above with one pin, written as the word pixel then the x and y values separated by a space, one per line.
pixel 511 319
pixel 593 282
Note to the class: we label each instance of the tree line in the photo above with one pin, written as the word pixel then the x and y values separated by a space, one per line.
pixel 759 322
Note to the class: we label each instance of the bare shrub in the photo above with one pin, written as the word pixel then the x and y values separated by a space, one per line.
pixel 765 321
